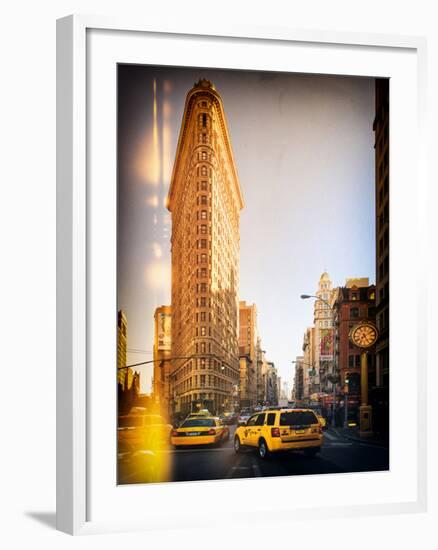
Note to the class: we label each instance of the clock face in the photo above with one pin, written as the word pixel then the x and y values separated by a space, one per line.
pixel 364 335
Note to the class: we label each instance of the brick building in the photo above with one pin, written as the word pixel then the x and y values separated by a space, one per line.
pixel 353 303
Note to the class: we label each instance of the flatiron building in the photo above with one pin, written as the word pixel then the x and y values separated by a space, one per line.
pixel 205 201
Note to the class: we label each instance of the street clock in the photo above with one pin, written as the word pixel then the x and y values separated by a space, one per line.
pixel 364 334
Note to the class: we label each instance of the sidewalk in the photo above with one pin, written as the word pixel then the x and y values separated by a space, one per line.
pixel 353 435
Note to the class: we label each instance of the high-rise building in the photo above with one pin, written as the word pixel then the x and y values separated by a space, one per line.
pixel 297 392
pixel 123 375
pixel 310 369
pixel 162 351
pixel 323 321
pixel 205 200
pixel 270 385
pixel 260 388
pixel 248 354
pixel 246 383
pixel 381 129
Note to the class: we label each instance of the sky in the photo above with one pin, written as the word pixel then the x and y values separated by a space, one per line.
pixel 304 151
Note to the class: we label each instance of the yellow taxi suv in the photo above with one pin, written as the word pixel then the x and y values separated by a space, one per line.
pixel 200 430
pixel 281 430
pixel 321 420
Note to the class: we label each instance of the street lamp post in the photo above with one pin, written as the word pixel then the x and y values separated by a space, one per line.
pixel 305 297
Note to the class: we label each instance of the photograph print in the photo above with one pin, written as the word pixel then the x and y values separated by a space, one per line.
pixel 252 274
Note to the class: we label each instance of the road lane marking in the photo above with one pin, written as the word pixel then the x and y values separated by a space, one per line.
pixel 238 465
pixel 330 437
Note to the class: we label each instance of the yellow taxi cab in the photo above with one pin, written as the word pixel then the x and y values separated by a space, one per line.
pixel 143 430
pixel 200 430
pixel 202 412
pixel 271 431
pixel 321 420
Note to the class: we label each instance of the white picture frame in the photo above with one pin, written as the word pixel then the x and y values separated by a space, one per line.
pixel 88 49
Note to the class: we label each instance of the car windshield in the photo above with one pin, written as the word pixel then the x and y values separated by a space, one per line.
pixel 130 421
pixel 198 422
pixel 297 418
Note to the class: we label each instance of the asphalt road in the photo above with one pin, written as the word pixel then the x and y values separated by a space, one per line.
pixel 338 455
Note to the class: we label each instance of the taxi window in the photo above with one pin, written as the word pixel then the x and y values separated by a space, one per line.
pixel 260 420
pixel 252 420
pixel 270 420
pixel 298 418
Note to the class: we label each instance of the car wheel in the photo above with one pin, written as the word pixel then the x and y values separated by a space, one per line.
pixel 237 445
pixel 263 449
pixel 312 451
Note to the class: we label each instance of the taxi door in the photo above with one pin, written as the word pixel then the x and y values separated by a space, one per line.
pixel 247 429
pixel 256 430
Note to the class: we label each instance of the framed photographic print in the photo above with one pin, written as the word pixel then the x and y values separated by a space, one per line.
pixel 235 214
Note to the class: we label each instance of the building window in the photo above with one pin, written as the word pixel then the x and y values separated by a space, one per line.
pixel 203 331
pixel 204 199
pixel 354 312
pixel 204 171
pixel 203 214
pixel 204 120
pixel 204 185
pixel 203 258
pixel 204 155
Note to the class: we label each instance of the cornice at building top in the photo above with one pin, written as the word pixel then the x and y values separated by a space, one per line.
pixel 203 88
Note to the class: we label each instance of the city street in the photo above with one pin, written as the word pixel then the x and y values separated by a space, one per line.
pixel 338 455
